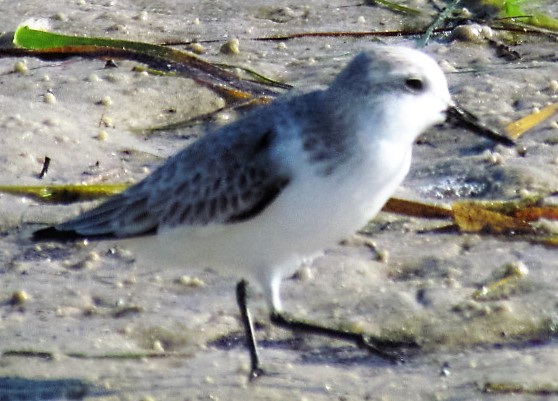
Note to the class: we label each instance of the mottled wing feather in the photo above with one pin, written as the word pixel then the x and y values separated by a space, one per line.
pixel 121 215
pixel 235 180
pixel 226 177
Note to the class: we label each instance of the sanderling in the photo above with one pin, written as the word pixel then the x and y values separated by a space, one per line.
pixel 278 186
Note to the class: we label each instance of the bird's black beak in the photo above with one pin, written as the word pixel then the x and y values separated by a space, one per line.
pixel 458 116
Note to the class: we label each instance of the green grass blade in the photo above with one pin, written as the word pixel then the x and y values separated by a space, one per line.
pixel 397 7
pixel 64 194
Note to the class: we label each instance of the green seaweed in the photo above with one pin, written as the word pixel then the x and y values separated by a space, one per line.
pixel 519 388
pixel 28 353
pixel 36 39
pixel 63 194
pixel 160 58
pixel 437 23
pixel 515 10
pixel 119 355
pixel 396 7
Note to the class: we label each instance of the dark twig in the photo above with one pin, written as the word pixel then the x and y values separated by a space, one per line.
pixel 44 170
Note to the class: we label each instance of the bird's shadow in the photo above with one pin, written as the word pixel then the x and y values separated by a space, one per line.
pixel 17 388
pixel 311 352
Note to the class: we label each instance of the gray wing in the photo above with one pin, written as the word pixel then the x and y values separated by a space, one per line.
pixel 225 177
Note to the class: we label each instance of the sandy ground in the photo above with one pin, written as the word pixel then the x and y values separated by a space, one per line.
pixel 98 326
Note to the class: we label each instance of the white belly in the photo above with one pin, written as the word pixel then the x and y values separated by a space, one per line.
pixel 311 214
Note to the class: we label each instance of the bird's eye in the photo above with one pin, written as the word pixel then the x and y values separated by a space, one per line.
pixel 414 84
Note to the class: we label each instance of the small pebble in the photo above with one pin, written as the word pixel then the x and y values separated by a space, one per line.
pixel 495 158
pixel 142 16
pixel 382 255
pixel 473 33
pixel 93 78
pixel 157 346
pixel 106 101
pixel 107 121
pixel 465 13
pixel 102 135
pixel 197 48
pixel 21 67
pixel 49 98
pixel 516 269
pixel 93 256
pixel 231 47
pixel 191 281
pixel 60 17
pixel 244 368
pixel 130 280
pixel 18 298
pixel 304 274
pixel 113 78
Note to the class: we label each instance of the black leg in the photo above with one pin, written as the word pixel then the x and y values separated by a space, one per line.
pixel 241 295
pixel 373 345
